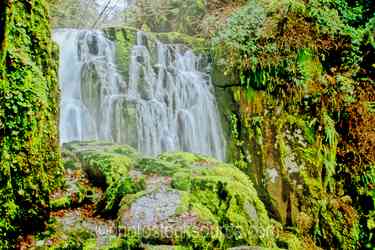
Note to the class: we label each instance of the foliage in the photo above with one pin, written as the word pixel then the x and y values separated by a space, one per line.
pixel 363 189
pixel 306 61
pixel 168 15
pixel 218 208
pixel 29 151
pixel 72 13
pixel 267 42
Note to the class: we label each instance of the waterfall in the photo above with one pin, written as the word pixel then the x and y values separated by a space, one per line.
pixel 166 105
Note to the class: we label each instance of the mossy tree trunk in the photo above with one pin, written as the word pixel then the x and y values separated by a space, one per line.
pixel 29 148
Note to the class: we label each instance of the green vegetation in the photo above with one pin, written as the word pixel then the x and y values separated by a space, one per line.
pixel 29 152
pixel 295 81
pixel 301 72
pixel 167 15
pixel 72 13
pixel 216 205
pixel 125 38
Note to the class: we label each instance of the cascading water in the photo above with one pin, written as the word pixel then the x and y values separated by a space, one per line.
pixel 88 82
pixel 167 104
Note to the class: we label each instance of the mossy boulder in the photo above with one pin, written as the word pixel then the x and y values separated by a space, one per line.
pixel 176 198
pixel 107 167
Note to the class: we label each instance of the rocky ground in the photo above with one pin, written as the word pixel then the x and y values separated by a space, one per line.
pixel 113 198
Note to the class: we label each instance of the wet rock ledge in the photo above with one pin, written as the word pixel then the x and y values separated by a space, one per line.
pixel 115 198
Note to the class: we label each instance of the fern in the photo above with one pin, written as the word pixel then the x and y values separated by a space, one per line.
pixel 330 133
pixel 330 167
pixel 370 107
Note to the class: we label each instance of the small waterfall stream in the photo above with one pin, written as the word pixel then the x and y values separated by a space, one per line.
pixel 166 105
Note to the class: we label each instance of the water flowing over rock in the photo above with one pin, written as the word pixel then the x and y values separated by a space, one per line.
pixel 166 105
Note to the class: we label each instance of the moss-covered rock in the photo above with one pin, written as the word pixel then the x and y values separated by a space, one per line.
pixel 295 89
pixel 29 151
pixel 108 167
pixel 126 37
pixel 75 230
pixel 75 192
pixel 198 44
pixel 175 199
pixel 291 159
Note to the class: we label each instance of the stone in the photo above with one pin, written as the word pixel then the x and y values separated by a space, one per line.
pixel 175 198
pixel 151 209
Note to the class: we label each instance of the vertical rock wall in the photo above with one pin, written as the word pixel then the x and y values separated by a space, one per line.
pixel 29 148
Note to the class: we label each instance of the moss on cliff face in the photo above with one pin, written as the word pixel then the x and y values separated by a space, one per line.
pixel 29 150
pixel 126 37
pixel 299 74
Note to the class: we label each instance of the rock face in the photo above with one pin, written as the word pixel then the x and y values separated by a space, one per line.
pixel 175 199
pixel 161 99
pixel 151 209
pixel 286 132
pixel 29 149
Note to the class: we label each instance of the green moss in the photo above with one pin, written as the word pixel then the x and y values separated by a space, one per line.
pixel 61 203
pixel 156 166
pixel 108 167
pixel 225 198
pixel 182 181
pixel 89 244
pixel 104 169
pixel 302 149
pixel 77 149
pixel 130 240
pixel 165 247
pixel 73 195
pixel 76 239
pixel 169 163
pixel 335 227
pixel 196 43
pixel 188 160
pixel 125 39
pixel 219 199
pixel 69 164
pixel 29 148
pixel 114 193
pixel 290 241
